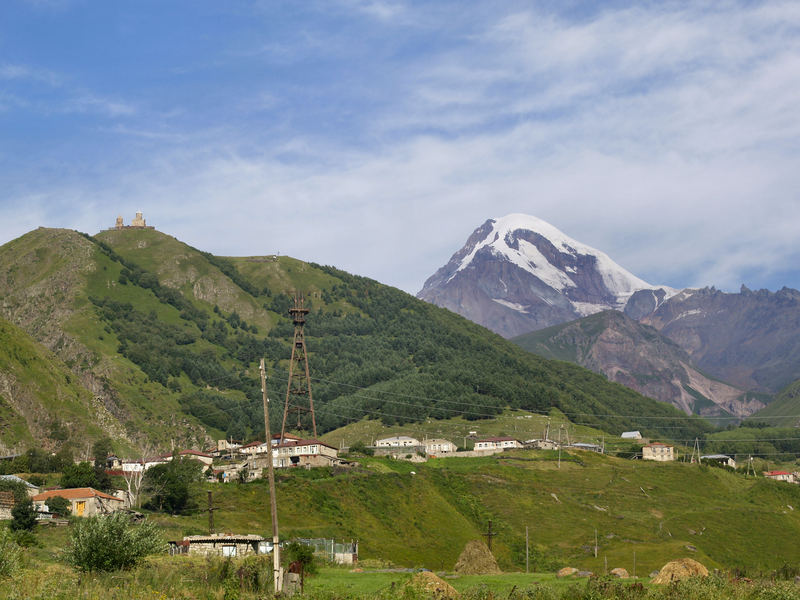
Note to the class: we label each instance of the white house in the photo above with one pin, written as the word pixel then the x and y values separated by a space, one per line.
pixel 658 451
pixel 398 441
pixel 497 443
pixel 439 446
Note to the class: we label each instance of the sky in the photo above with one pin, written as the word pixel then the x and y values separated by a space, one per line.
pixel 376 135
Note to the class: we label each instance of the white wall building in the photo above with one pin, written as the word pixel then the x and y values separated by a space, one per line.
pixel 398 441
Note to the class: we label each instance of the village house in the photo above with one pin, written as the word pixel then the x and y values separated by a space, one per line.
pixel 542 444
pixel 221 544
pixel 398 441
pixel 295 453
pixel 287 437
pixel 31 489
pixel 85 502
pixel 722 459
pixel 437 446
pixel 498 443
pixel 253 448
pixel 586 446
pixel 780 476
pixel 7 503
pixel 658 451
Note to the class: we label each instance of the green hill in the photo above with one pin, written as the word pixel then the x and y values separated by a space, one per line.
pixel 422 514
pixel 784 409
pixel 168 338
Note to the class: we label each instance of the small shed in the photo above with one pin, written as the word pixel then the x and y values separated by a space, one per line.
pixel 222 544
pixel 722 459
pixel 631 435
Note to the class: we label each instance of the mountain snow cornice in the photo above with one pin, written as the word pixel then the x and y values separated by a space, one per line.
pixel 519 273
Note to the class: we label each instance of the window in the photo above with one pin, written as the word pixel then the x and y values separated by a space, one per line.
pixel 229 551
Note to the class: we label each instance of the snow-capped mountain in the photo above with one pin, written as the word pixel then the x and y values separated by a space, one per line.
pixel 518 273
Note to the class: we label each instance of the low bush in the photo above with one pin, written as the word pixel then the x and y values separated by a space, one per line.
pixel 110 543
pixel 10 554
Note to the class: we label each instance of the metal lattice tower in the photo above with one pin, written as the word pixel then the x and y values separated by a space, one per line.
pixel 299 385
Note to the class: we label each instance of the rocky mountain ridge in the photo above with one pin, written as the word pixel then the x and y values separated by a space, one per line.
pixel 518 274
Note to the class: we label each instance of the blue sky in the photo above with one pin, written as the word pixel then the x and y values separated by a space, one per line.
pixel 376 135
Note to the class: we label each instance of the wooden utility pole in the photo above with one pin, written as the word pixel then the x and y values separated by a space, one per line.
pixel 527 564
pixel 595 543
pixel 489 535
pixel 277 574
pixel 211 510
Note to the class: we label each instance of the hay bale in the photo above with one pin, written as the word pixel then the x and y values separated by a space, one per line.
pixel 566 572
pixel 476 559
pixel 620 572
pixel 432 586
pixel 682 568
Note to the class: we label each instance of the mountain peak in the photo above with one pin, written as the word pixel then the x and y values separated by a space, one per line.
pixel 524 264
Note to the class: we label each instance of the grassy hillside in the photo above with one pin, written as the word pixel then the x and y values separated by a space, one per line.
pixel 424 518
pixel 784 410
pixel 39 396
pixel 169 337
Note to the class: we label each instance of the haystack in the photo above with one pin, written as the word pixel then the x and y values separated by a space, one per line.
pixel 476 559
pixel 566 572
pixel 682 568
pixel 620 573
pixel 433 586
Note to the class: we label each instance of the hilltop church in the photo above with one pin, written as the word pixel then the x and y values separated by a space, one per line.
pixel 137 223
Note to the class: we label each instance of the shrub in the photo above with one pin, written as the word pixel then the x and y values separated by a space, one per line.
pixel 10 554
pixel 302 553
pixel 110 543
pixel 361 448
pixel 59 506
pixel 23 516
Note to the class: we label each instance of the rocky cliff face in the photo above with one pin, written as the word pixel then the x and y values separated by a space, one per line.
pixel 518 273
pixel 751 339
pixel 639 357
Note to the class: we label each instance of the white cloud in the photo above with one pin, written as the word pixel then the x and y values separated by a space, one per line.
pixel 665 135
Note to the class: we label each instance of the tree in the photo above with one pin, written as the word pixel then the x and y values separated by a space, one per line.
pixel 111 542
pixel 59 506
pixel 23 516
pixel 100 451
pixel 80 475
pixel 170 484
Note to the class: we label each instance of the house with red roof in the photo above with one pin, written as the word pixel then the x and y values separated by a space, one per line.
pixel 780 476
pixel 84 502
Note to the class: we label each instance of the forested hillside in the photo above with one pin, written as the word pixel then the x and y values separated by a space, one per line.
pixel 169 338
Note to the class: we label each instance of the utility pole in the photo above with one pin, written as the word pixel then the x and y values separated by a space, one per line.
pixel 277 574
pixel 211 510
pixel 489 535
pixel 696 448
pixel 527 565
pixel 595 543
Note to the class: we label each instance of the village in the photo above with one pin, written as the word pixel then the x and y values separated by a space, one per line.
pixel 232 461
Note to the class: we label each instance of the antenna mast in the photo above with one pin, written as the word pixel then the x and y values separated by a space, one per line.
pixel 299 385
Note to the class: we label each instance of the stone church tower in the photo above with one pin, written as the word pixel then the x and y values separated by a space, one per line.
pixel 138 221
